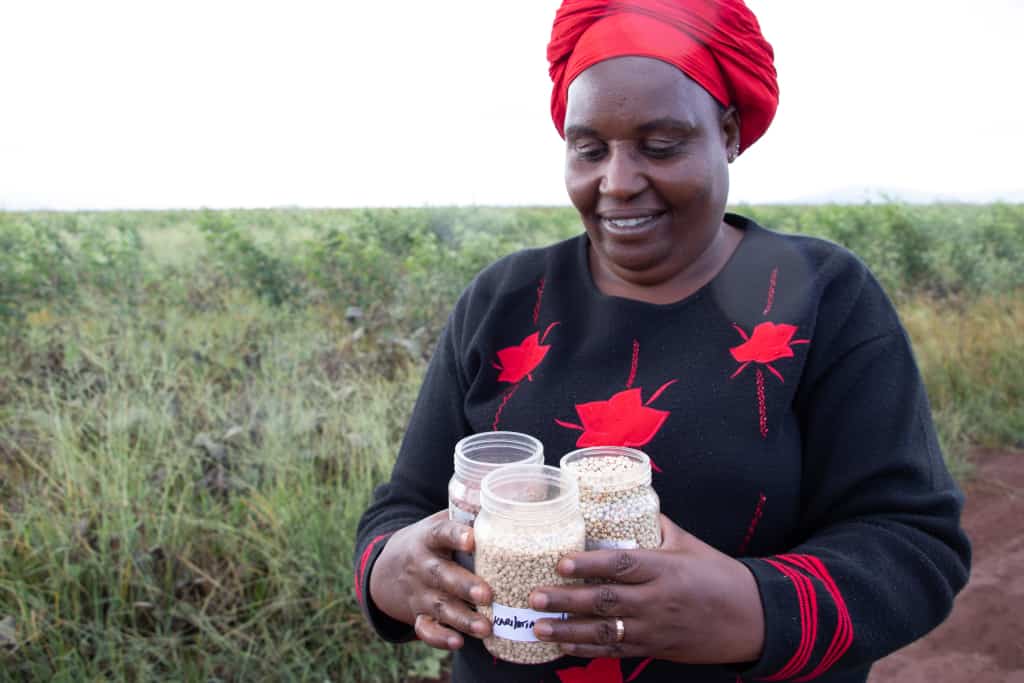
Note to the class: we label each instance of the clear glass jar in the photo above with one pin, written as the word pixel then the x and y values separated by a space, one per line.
pixel 529 519
pixel 619 504
pixel 476 456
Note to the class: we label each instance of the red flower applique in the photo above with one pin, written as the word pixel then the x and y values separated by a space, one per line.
pixel 603 670
pixel 624 419
pixel 517 362
pixel 768 343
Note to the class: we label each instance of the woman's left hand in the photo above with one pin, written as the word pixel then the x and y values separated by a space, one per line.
pixel 685 602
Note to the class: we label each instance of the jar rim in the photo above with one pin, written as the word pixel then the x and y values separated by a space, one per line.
pixel 565 499
pixel 477 454
pixel 641 476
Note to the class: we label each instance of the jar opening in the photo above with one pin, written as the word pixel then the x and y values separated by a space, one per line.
pixel 479 454
pixel 529 493
pixel 625 467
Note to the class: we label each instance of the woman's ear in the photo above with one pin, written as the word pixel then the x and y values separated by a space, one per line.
pixel 731 133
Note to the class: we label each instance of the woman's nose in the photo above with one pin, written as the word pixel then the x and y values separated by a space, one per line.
pixel 623 175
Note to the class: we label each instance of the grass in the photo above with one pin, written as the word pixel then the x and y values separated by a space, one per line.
pixel 186 444
pixel 972 358
pixel 172 512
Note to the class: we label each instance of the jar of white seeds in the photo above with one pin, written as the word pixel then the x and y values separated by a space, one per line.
pixel 619 505
pixel 529 519
pixel 475 457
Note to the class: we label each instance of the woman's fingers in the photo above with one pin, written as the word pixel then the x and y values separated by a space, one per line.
pixel 416 581
pixel 441 621
pixel 445 535
pixel 452 612
pixel 591 631
pixel 442 536
pixel 435 635
pixel 605 600
pixel 623 566
pixel 596 637
pixel 448 577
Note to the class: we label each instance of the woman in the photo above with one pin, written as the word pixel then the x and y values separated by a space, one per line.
pixel 810 526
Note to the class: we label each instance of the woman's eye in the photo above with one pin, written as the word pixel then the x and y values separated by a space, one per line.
pixel 589 150
pixel 661 147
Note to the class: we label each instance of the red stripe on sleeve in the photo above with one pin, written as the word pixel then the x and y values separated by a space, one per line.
pixel 363 560
pixel 808 602
pixel 843 636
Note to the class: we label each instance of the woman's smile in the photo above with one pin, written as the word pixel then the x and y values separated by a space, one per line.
pixel 630 226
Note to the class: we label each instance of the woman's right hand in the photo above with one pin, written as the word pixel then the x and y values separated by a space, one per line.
pixel 416 581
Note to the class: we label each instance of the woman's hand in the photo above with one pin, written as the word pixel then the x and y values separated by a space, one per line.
pixel 684 602
pixel 415 581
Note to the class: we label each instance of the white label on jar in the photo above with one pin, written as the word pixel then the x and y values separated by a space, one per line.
pixel 611 544
pixel 461 516
pixel 512 623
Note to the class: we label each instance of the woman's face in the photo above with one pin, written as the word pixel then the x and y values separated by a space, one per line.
pixel 647 168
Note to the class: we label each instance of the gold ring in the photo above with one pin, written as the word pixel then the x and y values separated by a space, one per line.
pixel 620 630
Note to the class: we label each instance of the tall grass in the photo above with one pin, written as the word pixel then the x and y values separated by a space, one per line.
pixel 195 407
pixel 179 497
pixel 972 357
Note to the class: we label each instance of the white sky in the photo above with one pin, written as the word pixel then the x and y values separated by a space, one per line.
pixel 133 104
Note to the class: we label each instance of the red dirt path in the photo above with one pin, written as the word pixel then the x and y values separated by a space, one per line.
pixel 983 639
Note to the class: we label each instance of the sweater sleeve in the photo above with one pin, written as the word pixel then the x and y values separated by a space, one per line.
pixel 879 554
pixel 418 484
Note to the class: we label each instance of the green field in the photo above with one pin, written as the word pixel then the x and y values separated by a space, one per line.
pixel 195 406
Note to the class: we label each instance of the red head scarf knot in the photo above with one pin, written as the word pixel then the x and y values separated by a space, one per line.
pixel 717 43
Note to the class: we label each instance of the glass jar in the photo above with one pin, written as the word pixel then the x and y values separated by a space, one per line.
pixel 619 504
pixel 529 519
pixel 476 456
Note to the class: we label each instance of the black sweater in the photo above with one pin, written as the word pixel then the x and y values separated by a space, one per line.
pixel 782 408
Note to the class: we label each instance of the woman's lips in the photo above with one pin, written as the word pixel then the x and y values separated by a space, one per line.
pixel 630 226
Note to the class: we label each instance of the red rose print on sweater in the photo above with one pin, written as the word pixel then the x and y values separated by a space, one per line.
pixel 769 342
pixel 625 419
pixel 622 420
pixel 603 670
pixel 517 362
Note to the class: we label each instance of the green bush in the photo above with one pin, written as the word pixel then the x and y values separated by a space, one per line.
pixel 937 249
pixel 269 275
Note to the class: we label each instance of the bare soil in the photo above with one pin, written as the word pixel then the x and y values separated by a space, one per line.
pixel 983 639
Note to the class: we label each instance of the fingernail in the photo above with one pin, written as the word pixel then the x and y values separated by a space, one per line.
pixel 567 648
pixel 453 643
pixel 464 538
pixel 539 600
pixel 543 630
pixel 567 566
pixel 477 593
pixel 479 627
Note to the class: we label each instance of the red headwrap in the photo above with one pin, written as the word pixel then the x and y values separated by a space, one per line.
pixel 717 43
